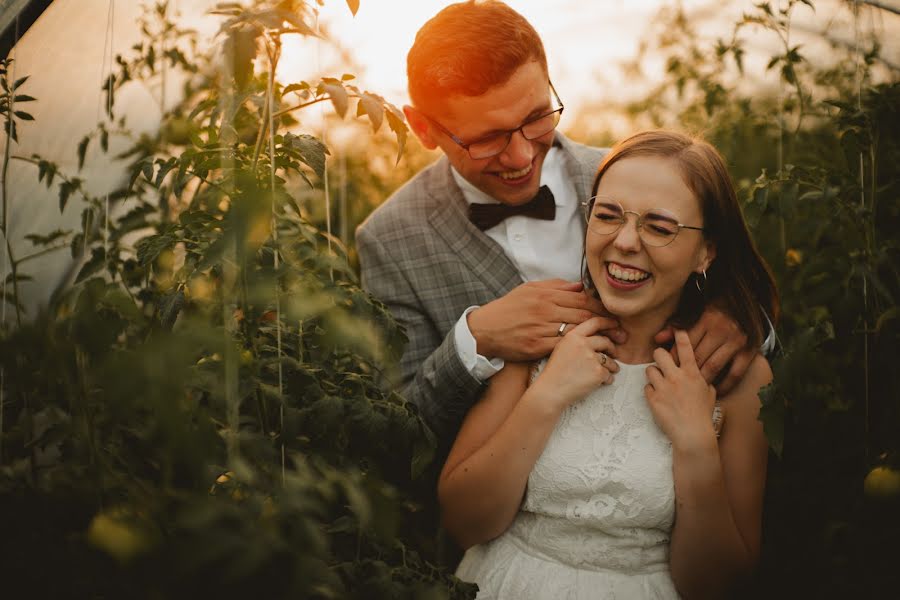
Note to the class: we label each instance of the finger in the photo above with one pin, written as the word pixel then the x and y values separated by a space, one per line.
pixel 650 393
pixel 616 334
pixel 665 336
pixel 601 343
pixel 589 327
pixel 654 376
pixel 739 367
pixel 575 316
pixel 685 352
pixel 596 306
pixel 721 357
pixel 707 346
pixel 696 334
pixel 577 299
pixel 664 362
pixel 607 362
pixel 556 284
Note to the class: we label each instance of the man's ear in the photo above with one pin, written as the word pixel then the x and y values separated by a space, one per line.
pixel 420 126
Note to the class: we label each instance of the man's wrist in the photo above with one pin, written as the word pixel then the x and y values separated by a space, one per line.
pixel 478 365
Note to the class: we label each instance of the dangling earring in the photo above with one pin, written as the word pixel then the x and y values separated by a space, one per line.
pixel 697 281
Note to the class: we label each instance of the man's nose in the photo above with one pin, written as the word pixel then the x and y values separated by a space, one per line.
pixel 518 152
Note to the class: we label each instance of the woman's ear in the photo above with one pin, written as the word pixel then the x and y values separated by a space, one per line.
pixel 420 126
pixel 707 257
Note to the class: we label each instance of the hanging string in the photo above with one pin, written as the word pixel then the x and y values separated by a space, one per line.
pixel 862 203
pixel 106 68
pixel 164 66
pixel 324 141
pixel 6 257
pixel 109 105
pixel 270 103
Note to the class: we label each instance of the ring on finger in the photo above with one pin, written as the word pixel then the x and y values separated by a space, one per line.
pixel 602 359
pixel 562 329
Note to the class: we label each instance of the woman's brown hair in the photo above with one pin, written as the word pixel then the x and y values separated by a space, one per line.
pixel 738 281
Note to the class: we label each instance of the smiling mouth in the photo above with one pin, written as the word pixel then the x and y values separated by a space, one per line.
pixel 508 175
pixel 626 274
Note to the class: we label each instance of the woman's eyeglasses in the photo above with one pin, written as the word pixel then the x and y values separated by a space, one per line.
pixel 656 227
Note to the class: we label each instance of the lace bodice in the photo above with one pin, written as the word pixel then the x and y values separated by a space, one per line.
pixel 598 509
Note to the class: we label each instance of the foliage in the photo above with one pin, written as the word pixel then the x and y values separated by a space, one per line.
pixel 204 410
pixel 817 160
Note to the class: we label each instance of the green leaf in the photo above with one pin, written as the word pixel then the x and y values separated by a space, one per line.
pixel 371 105
pixel 353 5
pixel 164 168
pixel 20 81
pixel 24 115
pixel 398 126
pixel 147 170
pixel 93 265
pixel 338 96
pixel 886 317
pixel 296 87
pixel 24 98
pixel 312 151
pixel 169 307
pixel 65 191
pixel 82 150
pixel 772 415
pixel 46 240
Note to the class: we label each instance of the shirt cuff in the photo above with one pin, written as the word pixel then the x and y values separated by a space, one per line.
pixel 480 367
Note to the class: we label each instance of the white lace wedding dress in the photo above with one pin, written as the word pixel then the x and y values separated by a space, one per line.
pixel 598 510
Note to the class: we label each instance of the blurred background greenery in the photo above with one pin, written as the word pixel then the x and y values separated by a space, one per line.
pixel 197 401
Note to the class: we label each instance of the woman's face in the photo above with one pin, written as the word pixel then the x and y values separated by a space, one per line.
pixel 636 279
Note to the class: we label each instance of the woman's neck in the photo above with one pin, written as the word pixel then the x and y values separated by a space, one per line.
pixel 639 346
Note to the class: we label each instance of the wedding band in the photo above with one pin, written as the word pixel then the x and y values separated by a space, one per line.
pixel 602 359
pixel 562 329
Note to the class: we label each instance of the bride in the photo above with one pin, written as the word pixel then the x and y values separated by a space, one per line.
pixel 614 471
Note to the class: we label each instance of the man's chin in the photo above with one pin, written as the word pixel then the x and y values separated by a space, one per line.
pixel 512 196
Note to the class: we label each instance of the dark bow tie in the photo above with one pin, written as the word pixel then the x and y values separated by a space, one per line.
pixel 542 206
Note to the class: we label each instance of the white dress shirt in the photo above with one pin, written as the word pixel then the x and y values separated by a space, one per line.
pixel 539 249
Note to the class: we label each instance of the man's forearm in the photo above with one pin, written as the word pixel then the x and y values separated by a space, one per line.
pixel 442 389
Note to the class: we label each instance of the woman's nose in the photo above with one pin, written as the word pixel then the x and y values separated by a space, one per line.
pixel 627 238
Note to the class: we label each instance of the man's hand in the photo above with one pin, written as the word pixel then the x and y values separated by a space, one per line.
pixel 717 341
pixel 524 324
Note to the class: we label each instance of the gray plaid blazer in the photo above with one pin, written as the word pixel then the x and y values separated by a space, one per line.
pixel 420 255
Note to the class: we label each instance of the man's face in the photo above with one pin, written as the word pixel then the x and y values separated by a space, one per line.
pixel 513 176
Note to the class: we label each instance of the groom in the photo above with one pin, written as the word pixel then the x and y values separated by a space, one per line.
pixel 479 255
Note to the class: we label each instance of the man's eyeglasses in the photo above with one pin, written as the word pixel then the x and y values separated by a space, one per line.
pixel 495 143
pixel 656 227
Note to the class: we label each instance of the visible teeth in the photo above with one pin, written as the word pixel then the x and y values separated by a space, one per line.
pixel 516 174
pixel 626 274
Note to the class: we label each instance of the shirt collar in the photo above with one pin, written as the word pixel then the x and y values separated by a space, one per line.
pixel 552 170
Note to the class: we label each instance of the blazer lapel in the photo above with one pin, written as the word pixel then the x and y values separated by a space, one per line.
pixel 484 257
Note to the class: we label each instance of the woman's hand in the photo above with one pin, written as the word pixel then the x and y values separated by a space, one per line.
pixel 580 363
pixel 679 397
